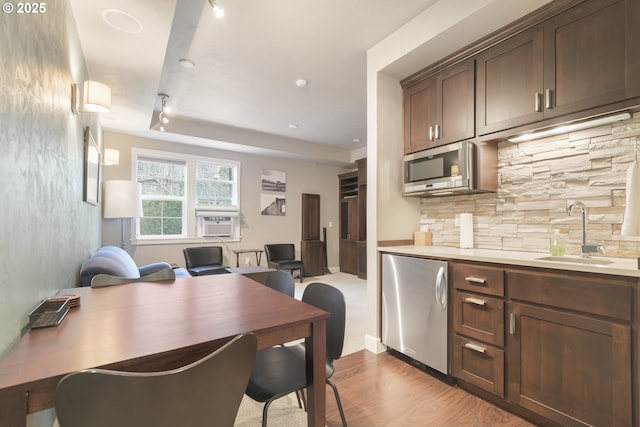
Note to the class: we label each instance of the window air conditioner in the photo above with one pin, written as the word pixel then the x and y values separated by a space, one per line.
pixel 216 226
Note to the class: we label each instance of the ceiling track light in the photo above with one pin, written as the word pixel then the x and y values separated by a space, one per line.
pixel 163 117
pixel 217 10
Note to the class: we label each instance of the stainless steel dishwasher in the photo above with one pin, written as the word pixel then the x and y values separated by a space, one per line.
pixel 414 308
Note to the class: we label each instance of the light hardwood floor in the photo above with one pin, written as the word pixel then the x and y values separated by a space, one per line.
pixel 384 391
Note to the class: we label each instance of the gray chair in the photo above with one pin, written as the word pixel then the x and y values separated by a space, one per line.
pixel 279 371
pixel 281 281
pixel 204 260
pixel 206 392
pixel 282 256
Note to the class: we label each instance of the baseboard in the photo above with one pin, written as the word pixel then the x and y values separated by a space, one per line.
pixel 374 345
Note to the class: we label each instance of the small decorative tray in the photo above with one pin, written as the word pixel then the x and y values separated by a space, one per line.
pixel 50 312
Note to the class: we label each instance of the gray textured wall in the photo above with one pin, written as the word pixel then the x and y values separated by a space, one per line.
pixel 46 230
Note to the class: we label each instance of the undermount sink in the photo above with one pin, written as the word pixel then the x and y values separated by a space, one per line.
pixel 589 261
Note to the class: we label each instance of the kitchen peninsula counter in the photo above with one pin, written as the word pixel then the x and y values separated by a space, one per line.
pixel 618 266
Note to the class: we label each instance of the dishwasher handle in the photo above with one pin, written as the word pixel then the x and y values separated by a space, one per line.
pixel 441 288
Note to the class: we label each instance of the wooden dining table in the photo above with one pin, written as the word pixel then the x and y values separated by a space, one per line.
pixel 155 326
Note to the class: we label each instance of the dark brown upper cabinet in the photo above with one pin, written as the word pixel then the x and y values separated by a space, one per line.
pixel 581 59
pixel 440 109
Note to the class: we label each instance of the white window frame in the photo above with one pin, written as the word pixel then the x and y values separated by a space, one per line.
pixel 192 214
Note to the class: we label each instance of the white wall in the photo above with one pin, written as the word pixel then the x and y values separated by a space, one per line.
pixel 257 229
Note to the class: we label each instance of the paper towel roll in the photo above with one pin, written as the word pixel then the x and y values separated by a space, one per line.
pixel 466 231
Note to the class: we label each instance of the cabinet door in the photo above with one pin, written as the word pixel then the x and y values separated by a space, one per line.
pixel 456 106
pixel 348 235
pixel 585 56
pixel 420 116
pixel 572 369
pixel 510 83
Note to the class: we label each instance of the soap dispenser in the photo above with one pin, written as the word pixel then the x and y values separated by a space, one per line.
pixel 556 246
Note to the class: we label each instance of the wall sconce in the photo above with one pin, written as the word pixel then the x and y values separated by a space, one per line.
pixel 111 157
pixel 96 98
pixel 571 127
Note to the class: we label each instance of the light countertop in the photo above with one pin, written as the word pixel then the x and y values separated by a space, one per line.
pixel 616 266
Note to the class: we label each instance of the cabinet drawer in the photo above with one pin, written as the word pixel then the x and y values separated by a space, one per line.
pixel 487 280
pixel 479 317
pixel 478 364
pixel 603 296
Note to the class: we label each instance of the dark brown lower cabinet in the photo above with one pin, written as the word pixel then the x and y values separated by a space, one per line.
pixel 569 354
pixel 572 369
pixel 560 346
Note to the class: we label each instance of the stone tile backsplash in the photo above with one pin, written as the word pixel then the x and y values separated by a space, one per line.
pixel 537 181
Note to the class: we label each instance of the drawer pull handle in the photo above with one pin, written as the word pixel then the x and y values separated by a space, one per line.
pixel 475 301
pixel 475 347
pixel 475 280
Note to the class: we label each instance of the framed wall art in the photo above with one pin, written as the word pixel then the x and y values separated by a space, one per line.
pixel 91 174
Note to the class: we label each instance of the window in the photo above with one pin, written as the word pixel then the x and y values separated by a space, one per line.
pixel 187 197
pixel 163 197
pixel 215 184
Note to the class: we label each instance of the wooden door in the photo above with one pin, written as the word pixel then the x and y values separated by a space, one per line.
pixel 569 368
pixel 420 116
pixel 510 83
pixel 310 216
pixel 456 109
pixel 311 247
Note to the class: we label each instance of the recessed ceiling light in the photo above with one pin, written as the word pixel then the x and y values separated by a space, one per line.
pixel 301 82
pixel 293 126
pixel 122 21
pixel 186 63
pixel 356 140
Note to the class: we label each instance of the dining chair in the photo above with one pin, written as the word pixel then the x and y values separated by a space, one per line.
pixel 281 256
pixel 279 371
pixel 281 281
pixel 204 260
pixel 206 392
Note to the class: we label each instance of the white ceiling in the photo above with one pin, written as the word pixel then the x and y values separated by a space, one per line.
pixel 241 95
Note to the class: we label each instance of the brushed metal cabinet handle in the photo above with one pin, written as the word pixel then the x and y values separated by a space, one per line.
pixel 475 280
pixel 430 133
pixel 537 102
pixel 475 347
pixel 512 323
pixel 438 136
pixel 475 301
pixel 548 99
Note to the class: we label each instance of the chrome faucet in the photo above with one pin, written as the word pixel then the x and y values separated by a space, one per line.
pixel 586 250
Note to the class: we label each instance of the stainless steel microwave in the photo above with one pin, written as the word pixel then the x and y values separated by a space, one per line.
pixel 461 167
